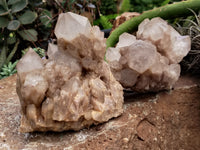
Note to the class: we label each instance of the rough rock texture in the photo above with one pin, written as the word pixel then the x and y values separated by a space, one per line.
pixel 74 88
pixel 148 62
pixel 167 40
pixel 123 17
pixel 166 121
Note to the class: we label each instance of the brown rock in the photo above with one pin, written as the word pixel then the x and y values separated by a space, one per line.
pixel 74 88
pixel 124 17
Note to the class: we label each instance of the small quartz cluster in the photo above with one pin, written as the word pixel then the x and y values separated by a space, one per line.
pixel 72 89
pixel 149 61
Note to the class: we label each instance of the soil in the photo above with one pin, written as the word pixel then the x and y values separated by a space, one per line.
pixel 166 120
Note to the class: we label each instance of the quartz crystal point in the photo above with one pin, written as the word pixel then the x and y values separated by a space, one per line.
pixel 70 22
pixel 167 40
pixel 149 62
pixel 72 89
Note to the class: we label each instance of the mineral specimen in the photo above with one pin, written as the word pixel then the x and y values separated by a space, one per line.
pixel 167 40
pixel 149 62
pixel 72 89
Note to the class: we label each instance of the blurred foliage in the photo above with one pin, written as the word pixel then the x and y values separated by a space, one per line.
pixel 108 7
pixel 14 15
pixel 143 5
pixel 105 21
pixel 75 6
pixel 38 50
pixel 20 21
pixel 25 23
pixel 190 26
pixel 8 70
pixel 125 6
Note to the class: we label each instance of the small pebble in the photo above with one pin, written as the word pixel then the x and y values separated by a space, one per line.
pixel 125 140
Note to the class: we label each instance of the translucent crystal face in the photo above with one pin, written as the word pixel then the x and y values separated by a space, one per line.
pixel 167 40
pixel 125 39
pixel 74 87
pixel 141 56
pixel 150 62
pixel 113 54
pixel 26 64
pixel 70 25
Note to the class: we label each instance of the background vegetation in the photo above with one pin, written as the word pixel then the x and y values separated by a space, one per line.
pixel 25 23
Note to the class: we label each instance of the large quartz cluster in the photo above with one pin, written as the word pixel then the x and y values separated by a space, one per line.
pixel 74 87
pixel 149 61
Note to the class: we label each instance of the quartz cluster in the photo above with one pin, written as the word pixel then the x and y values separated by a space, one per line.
pixel 72 89
pixel 149 60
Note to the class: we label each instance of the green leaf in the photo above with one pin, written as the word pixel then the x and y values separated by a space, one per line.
pixel 11 2
pixel 19 6
pixel 39 51
pixel 4 73
pixel 28 17
pixel 8 70
pixel 5 68
pixel 9 65
pixel 37 3
pixel 165 2
pixel 4 4
pixel 46 18
pixel 13 25
pixel 14 65
pixel 3 12
pixel 125 6
pixel 29 35
pixel 105 22
pixel 3 22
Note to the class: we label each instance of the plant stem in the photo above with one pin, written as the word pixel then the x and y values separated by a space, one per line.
pixel 10 56
pixel 170 11
pixel 3 55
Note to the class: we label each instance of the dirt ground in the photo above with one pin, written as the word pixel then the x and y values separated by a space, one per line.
pixel 169 120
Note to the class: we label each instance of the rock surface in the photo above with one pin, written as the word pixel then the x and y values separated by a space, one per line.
pixel 74 88
pixel 167 120
pixel 167 40
pixel 149 62
pixel 123 17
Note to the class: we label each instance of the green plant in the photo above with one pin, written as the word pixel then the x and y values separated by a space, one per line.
pixel 46 18
pixel 76 6
pixel 191 26
pixel 143 5
pixel 8 70
pixel 125 6
pixel 23 20
pixel 85 8
pixel 14 16
pixel 108 7
pixel 38 50
pixel 105 21
pixel 170 11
